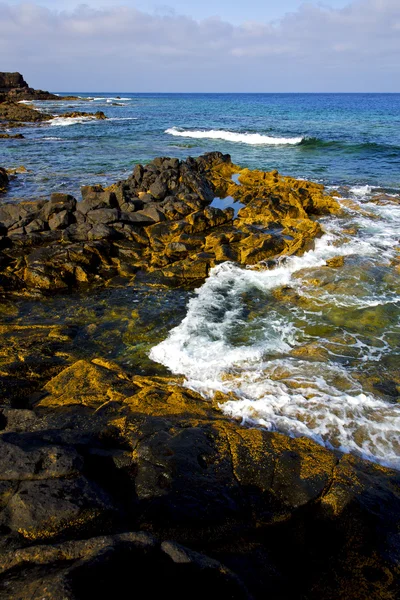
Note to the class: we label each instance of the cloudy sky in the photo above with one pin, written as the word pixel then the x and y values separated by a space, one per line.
pixel 212 46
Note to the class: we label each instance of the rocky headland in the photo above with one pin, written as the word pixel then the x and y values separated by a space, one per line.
pixel 14 112
pixel 112 481
pixel 14 87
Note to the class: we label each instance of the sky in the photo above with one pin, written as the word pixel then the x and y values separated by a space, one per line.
pixel 206 46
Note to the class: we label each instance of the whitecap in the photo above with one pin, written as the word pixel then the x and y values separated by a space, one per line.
pixel 254 139
pixel 360 191
pixel 65 121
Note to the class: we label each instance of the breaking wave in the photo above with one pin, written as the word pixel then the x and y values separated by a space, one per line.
pixel 237 339
pixel 254 139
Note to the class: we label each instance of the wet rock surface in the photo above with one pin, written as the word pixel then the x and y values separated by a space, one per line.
pixel 160 221
pixel 104 473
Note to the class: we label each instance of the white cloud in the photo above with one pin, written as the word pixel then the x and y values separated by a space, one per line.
pixel 316 48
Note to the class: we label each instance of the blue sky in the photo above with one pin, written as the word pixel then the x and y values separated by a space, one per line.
pixel 206 46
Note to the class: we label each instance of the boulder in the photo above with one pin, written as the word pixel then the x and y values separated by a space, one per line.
pixel 93 197
pixel 60 220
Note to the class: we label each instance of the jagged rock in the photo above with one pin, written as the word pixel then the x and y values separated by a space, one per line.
pixel 103 216
pixel 93 197
pixel 14 86
pixel 171 224
pixel 97 115
pixel 59 220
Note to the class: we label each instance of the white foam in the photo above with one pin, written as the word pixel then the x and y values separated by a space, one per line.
pixel 217 347
pixel 65 121
pixel 108 99
pixel 254 139
pixel 360 191
pixel 25 101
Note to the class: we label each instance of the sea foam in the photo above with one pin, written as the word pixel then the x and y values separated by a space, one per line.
pixel 254 139
pixel 217 347
pixel 65 121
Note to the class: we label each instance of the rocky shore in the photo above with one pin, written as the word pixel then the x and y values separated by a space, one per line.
pixel 112 481
pixel 161 222
pixel 14 87
pixel 14 112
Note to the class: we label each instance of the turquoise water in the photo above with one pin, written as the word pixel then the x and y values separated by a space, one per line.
pixel 351 139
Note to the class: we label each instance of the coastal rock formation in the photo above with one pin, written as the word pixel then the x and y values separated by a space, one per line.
pixel 15 112
pixel 123 472
pixel 76 113
pixel 162 220
pixel 14 86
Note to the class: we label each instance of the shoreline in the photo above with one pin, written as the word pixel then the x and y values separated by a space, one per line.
pixel 113 464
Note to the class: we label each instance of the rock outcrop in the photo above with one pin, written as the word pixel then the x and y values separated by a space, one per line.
pixel 104 473
pixel 14 113
pixel 14 86
pixel 161 221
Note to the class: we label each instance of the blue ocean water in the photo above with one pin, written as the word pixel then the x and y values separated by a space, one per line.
pixel 336 139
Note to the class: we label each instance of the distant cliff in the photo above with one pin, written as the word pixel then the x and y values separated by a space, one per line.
pixel 14 87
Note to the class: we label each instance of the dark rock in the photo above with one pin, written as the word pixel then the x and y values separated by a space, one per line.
pixel 60 220
pixel 35 226
pixel 93 197
pixel 138 218
pixel 15 112
pixel 3 179
pixel 158 190
pixel 10 214
pixel 103 216
pixel 153 213
pixel 196 184
pixel 8 136
pixel 100 231
pixel 15 87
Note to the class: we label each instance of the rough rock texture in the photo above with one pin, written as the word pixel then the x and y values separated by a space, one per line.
pixel 158 221
pixel 218 509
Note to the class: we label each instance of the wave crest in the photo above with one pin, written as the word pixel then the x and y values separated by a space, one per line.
pixel 254 139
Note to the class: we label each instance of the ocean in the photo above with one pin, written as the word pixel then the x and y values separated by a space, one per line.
pixel 309 346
